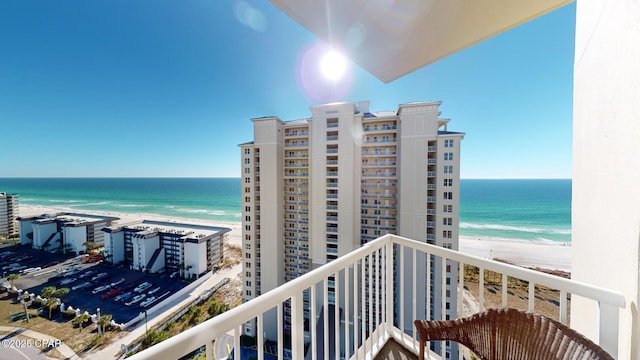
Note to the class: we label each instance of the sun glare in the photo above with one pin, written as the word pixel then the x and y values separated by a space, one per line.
pixel 333 65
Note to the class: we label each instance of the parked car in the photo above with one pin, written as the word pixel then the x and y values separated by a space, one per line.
pixel 142 287
pixel 116 283
pixel 88 273
pixel 122 296
pixel 51 264
pixel 135 299
pixel 99 276
pixel 30 270
pixel 67 281
pixel 100 289
pixel 81 286
pixel 148 302
pixel 153 291
pixel 112 293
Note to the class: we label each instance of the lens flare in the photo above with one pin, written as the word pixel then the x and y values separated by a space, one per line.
pixel 333 65
pixel 323 74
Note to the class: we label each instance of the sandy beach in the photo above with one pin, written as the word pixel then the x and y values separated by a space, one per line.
pixel 528 254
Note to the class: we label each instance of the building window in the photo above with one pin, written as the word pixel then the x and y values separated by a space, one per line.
pixel 247 265
pixel 247 180
pixel 247 255
pixel 448 169
pixel 247 218
pixel 447 208
pixel 247 151
pixel 448 156
pixel 448 143
pixel 448 195
pixel 247 208
pixel 247 161
pixel 247 170
pixel 247 199
pixel 447 235
pixel 447 221
pixel 247 189
pixel 247 227
pixel 448 182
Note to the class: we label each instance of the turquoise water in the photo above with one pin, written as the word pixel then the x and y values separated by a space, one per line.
pixel 538 210
pixel 530 210
pixel 214 199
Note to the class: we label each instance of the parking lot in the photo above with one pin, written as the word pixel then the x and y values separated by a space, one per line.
pixel 116 290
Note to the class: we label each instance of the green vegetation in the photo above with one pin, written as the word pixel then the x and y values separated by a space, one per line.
pixel 79 321
pixel 104 321
pixel 53 295
pixel 13 277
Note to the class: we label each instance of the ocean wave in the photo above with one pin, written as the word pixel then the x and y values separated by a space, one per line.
pixel 204 211
pixel 526 229
pixel 130 205
pixel 66 201
pixel 97 203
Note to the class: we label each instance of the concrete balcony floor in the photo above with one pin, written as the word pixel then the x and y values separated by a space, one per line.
pixel 394 351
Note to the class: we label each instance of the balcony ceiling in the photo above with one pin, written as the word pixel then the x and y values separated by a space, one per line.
pixel 391 38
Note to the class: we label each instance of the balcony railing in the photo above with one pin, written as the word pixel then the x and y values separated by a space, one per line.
pixel 371 315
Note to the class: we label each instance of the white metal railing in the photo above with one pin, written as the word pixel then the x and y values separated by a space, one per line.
pixel 372 314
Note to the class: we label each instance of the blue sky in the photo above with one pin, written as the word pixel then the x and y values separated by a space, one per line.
pixel 154 88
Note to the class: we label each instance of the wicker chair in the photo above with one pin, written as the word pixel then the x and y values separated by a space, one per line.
pixel 511 334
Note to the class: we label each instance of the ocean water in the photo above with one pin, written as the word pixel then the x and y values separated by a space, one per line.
pixel 213 199
pixel 530 210
pixel 525 210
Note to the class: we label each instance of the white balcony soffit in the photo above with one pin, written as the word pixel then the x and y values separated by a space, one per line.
pixel 391 38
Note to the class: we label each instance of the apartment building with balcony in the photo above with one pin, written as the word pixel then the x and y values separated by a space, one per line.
pixel 9 212
pixel 155 246
pixel 63 232
pixel 316 189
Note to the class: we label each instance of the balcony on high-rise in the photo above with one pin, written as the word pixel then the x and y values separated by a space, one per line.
pixel 374 295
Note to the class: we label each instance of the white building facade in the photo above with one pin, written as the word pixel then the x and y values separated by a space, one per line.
pixel 8 213
pixel 63 232
pixel 315 189
pixel 155 246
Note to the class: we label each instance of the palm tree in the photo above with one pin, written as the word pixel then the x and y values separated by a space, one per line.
pixel 80 320
pixel 12 278
pixel 104 321
pixel 53 295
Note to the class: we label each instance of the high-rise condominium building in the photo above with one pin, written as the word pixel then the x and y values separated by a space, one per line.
pixel 317 188
pixel 8 213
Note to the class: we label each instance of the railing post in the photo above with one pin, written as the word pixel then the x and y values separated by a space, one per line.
pixel 389 286
pixel 608 324
pixel 297 326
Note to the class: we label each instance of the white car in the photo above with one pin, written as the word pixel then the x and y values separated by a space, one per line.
pixel 142 287
pixel 81 286
pixel 153 291
pixel 135 299
pixel 67 281
pixel 30 270
pixel 99 276
pixel 100 289
pixel 116 283
pixel 148 301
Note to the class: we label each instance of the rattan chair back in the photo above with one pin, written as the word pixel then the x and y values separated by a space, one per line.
pixel 501 334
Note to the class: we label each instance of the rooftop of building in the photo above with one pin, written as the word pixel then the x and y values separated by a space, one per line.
pixel 188 232
pixel 70 219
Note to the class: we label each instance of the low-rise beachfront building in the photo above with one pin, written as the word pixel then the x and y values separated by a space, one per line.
pixel 8 213
pixel 64 232
pixel 154 246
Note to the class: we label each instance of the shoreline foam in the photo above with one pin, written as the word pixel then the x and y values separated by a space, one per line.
pixel 547 255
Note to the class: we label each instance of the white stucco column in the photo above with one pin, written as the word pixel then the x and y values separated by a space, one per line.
pixel 606 161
